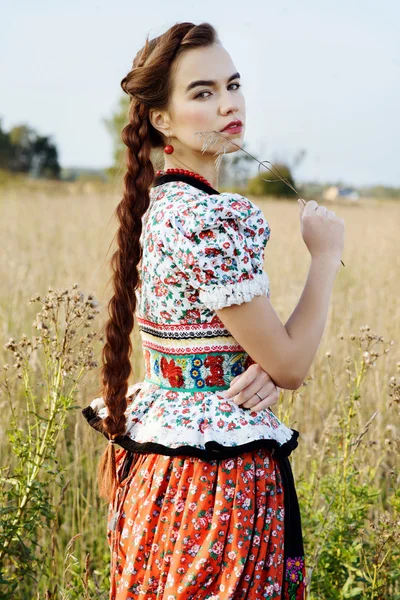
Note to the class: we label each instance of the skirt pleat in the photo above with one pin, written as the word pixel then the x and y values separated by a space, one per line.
pixel 183 528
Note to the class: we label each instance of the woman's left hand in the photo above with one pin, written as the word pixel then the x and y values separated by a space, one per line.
pixel 243 389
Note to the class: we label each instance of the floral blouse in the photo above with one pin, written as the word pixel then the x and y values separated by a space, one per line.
pixel 202 251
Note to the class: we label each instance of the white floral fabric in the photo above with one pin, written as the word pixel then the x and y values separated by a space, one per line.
pixel 201 252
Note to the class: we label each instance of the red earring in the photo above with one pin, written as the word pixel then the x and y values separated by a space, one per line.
pixel 168 149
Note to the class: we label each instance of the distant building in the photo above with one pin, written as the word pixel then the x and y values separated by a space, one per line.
pixel 335 192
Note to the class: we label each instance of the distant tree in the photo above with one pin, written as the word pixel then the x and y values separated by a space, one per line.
pixel 22 138
pixel 267 183
pixel 45 159
pixel 22 150
pixel 114 126
pixel 5 148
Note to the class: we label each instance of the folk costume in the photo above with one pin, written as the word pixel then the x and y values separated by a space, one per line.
pixel 206 506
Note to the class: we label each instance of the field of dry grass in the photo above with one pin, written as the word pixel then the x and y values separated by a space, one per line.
pixel 56 240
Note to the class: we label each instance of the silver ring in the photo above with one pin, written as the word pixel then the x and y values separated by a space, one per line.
pixel 259 396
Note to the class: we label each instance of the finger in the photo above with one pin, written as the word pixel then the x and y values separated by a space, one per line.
pixel 322 209
pixel 240 384
pixel 249 394
pixel 227 393
pixel 267 403
pixel 310 207
pixel 269 398
pixel 254 400
pixel 262 384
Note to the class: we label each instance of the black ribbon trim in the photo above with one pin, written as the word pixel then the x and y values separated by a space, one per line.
pixel 213 450
pixel 197 183
pixel 293 537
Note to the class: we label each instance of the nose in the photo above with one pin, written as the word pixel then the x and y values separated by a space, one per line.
pixel 229 104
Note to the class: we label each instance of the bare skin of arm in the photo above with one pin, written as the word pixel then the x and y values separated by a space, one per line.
pixel 286 351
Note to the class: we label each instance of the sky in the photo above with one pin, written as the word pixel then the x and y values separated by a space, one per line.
pixel 318 76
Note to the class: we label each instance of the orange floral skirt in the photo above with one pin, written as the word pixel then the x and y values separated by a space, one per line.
pixel 183 528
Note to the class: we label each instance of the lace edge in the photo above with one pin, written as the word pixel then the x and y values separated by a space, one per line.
pixel 212 449
pixel 220 296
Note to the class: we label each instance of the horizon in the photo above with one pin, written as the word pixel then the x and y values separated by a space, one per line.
pixel 330 87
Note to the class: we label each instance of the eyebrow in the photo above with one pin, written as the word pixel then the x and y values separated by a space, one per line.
pixel 208 82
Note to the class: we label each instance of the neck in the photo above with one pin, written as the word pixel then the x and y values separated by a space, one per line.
pixel 203 165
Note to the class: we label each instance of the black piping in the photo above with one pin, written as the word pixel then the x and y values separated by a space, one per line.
pixel 159 180
pixel 213 449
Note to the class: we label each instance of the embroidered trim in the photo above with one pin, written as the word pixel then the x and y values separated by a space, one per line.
pixel 212 449
pixel 295 578
pixel 184 329
pixel 220 296
pixel 201 371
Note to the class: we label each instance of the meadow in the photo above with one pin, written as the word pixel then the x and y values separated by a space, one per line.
pixel 347 411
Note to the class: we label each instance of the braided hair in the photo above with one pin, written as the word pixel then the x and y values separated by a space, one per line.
pixel 149 85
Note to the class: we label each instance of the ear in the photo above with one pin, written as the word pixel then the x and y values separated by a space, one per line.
pixel 160 121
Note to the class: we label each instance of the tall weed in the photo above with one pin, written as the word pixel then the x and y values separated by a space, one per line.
pixel 351 523
pixel 46 373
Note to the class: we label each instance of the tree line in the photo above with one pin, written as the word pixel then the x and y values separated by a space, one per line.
pixel 23 150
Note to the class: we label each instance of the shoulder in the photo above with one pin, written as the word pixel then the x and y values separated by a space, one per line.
pixel 192 210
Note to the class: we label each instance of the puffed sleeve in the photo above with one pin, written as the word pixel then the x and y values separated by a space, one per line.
pixel 217 242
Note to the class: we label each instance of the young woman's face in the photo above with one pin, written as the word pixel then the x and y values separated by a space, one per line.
pixel 207 106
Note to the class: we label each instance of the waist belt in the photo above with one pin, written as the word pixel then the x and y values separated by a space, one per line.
pixel 208 371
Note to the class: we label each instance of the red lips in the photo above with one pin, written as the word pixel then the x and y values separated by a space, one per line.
pixel 237 123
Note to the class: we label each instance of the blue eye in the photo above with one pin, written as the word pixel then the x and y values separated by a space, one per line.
pixel 205 92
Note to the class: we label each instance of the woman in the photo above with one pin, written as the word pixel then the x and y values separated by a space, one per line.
pixel 202 499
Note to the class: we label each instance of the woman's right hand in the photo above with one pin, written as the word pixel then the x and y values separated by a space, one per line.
pixel 322 230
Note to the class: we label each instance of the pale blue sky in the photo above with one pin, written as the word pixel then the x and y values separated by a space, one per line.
pixel 320 76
